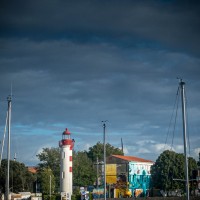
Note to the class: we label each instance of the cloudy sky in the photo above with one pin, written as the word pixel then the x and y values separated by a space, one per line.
pixel 74 64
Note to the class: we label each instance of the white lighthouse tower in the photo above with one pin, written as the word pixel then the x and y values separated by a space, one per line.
pixel 66 145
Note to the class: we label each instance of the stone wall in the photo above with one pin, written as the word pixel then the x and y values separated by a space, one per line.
pixel 154 198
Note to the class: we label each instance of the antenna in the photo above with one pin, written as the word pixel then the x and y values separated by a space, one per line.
pixel 122 145
pixel 180 79
pixel 15 157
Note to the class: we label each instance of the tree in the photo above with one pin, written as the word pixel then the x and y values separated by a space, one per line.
pixel 47 180
pixel 50 159
pixel 198 163
pixel 169 166
pixel 20 178
pixel 98 151
pixel 83 166
pixel 83 171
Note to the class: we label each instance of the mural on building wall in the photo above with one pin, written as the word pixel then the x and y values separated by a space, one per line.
pixel 139 176
pixel 128 178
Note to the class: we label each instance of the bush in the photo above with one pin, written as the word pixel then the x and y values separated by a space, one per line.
pixel 53 197
pixel 76 197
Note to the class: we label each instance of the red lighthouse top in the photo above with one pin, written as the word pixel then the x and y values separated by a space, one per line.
pixel 66 139
pixel 66 132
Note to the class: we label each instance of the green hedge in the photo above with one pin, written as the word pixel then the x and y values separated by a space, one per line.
pixel 53 197
pixel 76 197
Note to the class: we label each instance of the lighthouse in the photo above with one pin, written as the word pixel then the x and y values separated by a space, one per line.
pixel 66 145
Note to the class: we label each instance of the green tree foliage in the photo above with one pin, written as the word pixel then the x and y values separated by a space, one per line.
pixel 20 178
pixel 169 166
pixel 83 171
pixel 198 163
pixel 83 163
pixel 50 159
pixel 98 150
pixel 47 179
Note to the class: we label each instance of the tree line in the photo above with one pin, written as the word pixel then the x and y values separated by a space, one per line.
pixel 168 166
pixel 84 172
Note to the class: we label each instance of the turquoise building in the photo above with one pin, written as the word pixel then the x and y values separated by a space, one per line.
pixel 139 176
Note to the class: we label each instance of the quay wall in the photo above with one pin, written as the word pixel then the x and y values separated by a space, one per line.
pixel 154 198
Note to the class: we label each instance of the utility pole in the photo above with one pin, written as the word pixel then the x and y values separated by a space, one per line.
pixel 50 186
pixel 104 155
pixel 97 183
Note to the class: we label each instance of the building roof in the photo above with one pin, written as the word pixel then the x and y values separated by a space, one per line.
pixel 132 158
pixel 32 169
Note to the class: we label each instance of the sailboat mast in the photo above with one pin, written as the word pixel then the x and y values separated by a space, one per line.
pixel 182 85
pixel 8 150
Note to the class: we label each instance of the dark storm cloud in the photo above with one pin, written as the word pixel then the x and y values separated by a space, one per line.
pixel 170 22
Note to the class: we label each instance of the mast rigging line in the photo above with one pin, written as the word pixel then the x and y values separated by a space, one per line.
pixel 175 116
pixel 170 123
pixel 174 127
pixel 181 88
pixel 2 145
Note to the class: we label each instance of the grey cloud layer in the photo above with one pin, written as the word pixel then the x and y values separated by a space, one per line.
pixel 74 64
pixel 171 23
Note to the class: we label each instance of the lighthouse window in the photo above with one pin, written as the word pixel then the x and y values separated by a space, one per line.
pixel 63 155
pixel 63 174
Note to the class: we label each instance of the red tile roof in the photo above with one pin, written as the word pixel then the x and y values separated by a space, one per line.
pixel 32 170
pixel 132 158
